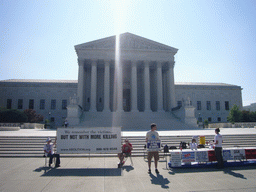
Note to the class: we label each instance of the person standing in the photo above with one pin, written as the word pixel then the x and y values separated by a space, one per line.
pixel 66 123
pixel 48 149
pixel 218 148
pixel 152 135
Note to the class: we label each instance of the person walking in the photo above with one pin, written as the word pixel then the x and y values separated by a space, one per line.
pixel 153 135
pixel 218 148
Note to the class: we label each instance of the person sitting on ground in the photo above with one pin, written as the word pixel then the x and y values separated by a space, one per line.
pixel 126 151
pixel 48 149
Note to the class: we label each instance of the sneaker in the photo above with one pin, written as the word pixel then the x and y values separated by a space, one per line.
pixel 57 165
pixel 149 171
pixel 157 172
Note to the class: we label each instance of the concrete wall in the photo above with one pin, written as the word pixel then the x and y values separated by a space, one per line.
pixel 39 90
pixel 210 92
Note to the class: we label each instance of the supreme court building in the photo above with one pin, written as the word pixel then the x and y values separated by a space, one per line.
pixel 129 82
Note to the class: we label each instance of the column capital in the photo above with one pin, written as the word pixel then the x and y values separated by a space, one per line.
pixel 146 63
pixel 94 62
pixel 159 64
pixel 80 61
pixel 107 62
pixel 133 63
pixel 171 64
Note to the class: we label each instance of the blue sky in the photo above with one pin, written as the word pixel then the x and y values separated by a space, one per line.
pixel 216 39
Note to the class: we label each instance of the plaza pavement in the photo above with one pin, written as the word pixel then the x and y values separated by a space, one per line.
pixel 102 174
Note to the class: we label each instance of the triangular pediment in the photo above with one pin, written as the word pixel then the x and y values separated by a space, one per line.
pixel 128 41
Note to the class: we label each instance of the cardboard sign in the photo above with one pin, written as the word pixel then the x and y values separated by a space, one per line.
pixel 188 156
pixel 238 154
pixel 201 156
pixel 176 159
pixel 89 140
pixel 153 145
pixel 227 155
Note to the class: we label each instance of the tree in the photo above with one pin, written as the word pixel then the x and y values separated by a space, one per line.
pixel 235 115
pixel 33 117
pixel 12 116
pixel 246 116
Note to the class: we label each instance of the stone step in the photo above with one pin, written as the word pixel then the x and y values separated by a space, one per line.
pixel 33 146
pixel 133 121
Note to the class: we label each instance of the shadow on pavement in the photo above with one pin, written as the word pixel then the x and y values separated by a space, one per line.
pixel 128 167
pixel 52 172
pixel 159 180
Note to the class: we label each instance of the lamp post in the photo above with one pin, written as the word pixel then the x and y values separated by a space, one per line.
pixel 50 119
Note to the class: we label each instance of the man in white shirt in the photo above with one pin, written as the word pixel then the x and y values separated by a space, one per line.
pixel 152 135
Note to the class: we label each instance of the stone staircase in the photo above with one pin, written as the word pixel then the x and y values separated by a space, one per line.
pixel 136 121
pixel 11 146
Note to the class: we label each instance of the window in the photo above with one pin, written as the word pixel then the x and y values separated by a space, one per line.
pixel 199 106
pixel 9 104
pixel 53 104
pixel 179 103
pixel 42 104
pixel 20 103
pixel 208 105
pixel 217 105
pixel 52 119
pixel 209 119
pixel 64 104
pixel 31 104
pixel 219 119
pixel 226 105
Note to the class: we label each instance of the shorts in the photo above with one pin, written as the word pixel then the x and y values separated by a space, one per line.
pixel 154 154
pixel 127 154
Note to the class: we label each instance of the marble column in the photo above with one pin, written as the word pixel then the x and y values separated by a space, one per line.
pixel 147 87
pixel 107 87
pixel 134 87
pixel 119 74
pixel 172 102
pixel 159 88
pixel 93 86
pixel 81 79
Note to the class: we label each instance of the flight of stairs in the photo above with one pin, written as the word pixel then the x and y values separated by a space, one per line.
pixel 32 146
pixel 136 121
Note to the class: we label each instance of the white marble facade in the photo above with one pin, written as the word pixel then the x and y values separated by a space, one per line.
pixel 142 80
pixel 138 85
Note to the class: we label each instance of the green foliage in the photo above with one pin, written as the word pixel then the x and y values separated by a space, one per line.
pixel 248 116
pixel 33 117
pixel 12 116
pixel 235 115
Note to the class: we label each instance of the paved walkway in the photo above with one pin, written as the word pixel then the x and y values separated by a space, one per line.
pixel 102 174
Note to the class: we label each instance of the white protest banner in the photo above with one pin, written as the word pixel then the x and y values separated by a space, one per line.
pixel 89 140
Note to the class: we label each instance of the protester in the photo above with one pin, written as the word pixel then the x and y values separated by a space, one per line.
pixel 126 151
pixel 193 144
pixel 218 148
pixel 152 135
pixel 48 149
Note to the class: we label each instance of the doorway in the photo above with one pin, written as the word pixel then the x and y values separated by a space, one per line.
pixel 126 99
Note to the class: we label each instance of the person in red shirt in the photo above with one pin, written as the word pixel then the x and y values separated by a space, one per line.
pixel 126 151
